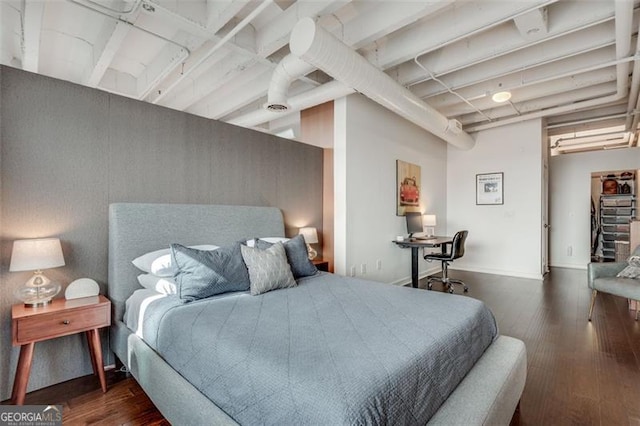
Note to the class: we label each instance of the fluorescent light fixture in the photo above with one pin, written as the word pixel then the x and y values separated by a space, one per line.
pixel 501 96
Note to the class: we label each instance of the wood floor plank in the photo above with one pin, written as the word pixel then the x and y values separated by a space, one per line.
pixel 578 373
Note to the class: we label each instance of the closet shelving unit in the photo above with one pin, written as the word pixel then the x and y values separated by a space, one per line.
pixel 616 212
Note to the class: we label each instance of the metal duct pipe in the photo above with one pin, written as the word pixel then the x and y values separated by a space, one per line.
pixel 318 47
pixel 289 69
pixel 321 94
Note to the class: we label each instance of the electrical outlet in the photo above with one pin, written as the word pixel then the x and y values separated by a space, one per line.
pixel 570 251
pixel 379 265
pixel 363 269
pixel 353 271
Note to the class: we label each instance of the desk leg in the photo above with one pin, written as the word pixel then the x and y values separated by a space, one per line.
pixel 414 266
pixel 22 374
pixel 96 356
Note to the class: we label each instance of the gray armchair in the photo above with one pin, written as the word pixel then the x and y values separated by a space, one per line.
pixel 602 277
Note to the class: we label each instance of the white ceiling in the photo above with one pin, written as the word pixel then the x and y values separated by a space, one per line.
pixel 569 61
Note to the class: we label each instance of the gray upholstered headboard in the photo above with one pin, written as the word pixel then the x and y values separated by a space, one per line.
pixel 135 229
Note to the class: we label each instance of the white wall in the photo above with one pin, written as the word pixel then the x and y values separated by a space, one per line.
pixel 570 189
pixel 503 239
pixel 368 139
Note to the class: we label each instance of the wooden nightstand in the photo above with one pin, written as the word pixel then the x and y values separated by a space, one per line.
pixel 59 318
pixel 322 265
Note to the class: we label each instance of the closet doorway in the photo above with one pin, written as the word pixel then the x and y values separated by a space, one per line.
pixel 614 196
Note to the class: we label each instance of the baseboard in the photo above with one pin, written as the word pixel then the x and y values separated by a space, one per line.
pixel 502 272
pixel 568 266
pixel 406 281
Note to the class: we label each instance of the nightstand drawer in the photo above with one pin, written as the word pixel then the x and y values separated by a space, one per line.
pixel 56 324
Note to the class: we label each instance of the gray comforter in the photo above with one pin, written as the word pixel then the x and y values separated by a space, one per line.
pixel 332 351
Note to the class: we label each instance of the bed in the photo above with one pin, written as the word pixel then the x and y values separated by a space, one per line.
pixel 487 394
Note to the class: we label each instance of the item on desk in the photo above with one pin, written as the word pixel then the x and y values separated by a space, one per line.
pixel 429 222
pixel 82 287
pixel 399 238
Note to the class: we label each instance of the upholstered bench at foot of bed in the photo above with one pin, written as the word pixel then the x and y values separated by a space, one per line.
pixel 489 394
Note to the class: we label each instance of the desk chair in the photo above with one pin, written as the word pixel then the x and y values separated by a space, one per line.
pixel 457 251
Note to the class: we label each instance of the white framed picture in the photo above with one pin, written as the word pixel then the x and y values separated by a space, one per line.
pixel 489 188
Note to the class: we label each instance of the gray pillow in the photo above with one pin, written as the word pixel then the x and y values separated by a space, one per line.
pixel 297 256
pixel 268 269
pixel 202 273
pixel 629 272
pixel 634 261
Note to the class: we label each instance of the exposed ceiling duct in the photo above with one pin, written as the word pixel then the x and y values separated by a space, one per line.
pixel 560 60
pixel 289 68
pixel 319 48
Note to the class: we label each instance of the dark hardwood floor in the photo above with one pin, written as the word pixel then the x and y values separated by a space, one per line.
pixel 579 373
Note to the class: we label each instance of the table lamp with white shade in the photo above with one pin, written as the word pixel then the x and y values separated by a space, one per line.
pixel 310 235
pixel 429 223
pixel 35 255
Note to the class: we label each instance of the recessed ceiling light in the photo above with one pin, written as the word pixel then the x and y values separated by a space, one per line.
pixel 501 97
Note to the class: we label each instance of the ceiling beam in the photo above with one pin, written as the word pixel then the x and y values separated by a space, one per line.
pixel 193 65
pixel 592 92
pixel 384 19
pixel 110 47
pixel 220 12
pixel 219 70
pixel 432 33
pixel 164 63
pixel 33 12
pixel 463 20
pixel 538 55
pixel 275 35
pixel 483 62
pixel 234 98
pixel 372 21
pixel 549 88
pixel 523 77
pixel 570 119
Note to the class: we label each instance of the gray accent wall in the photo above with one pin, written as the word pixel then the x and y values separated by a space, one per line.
pixel 67 151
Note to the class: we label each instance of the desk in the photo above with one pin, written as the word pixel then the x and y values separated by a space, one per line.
pixel 415 245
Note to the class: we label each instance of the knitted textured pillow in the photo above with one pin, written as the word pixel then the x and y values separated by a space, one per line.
pixel 268 269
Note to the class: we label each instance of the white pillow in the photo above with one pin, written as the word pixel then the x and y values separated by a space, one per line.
pixel 159 262
pixel 272 240
pixel 163 285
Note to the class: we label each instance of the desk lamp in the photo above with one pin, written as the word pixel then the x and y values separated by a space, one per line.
pixel 310 235
pixel 35 255
pixel 429 221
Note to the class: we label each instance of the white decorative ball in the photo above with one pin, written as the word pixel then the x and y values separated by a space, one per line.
pixel 82 287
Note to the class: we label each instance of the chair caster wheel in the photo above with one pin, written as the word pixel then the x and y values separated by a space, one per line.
pixel 429 286
pixel 466 289
pixel 451 290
